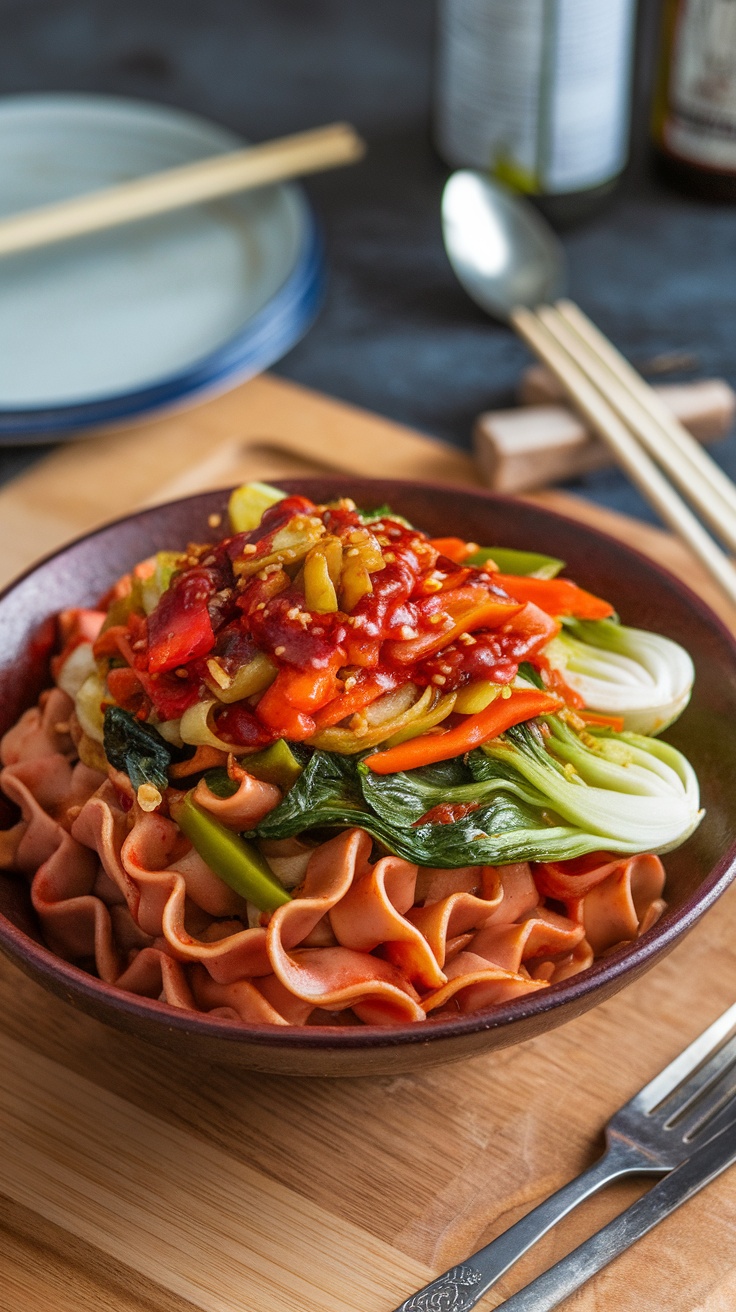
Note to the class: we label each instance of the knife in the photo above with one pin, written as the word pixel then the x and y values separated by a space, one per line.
pixel 458 1289
pixel 549 1289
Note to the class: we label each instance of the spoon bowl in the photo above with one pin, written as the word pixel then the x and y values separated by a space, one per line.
pixel 502 251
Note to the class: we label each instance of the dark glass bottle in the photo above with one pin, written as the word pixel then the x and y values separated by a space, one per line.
pixel 694 119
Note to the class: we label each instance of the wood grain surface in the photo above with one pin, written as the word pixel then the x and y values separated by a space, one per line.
pixel 135 1181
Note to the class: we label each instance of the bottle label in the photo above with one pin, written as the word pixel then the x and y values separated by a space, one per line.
pixel 536 91
pixel 700 119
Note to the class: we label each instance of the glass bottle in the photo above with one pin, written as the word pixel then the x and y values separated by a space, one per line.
pixel 537 92
pixel 694 121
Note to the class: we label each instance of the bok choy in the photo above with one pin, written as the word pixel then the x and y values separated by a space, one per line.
pixel 643 677
pixel 534 794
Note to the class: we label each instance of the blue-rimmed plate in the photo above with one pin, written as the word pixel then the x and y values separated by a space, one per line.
pixel 117 323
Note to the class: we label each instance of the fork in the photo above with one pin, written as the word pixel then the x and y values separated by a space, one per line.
pixel 680 1109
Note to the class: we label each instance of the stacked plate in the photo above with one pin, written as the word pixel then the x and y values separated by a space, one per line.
pixel 108 326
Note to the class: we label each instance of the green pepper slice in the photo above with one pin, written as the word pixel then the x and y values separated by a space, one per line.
pixel 234 860
pixel 510 561
pixel 276 764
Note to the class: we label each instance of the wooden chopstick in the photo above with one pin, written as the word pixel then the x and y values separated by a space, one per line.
pixel 189 184
pixel 638 464
pixel 699 488
pixel 693 483
pixel 648 398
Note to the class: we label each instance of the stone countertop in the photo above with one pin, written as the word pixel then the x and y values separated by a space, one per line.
pixel 396 334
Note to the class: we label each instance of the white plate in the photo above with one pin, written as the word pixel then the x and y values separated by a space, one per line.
pixel 116 323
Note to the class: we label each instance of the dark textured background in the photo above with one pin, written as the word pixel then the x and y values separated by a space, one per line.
pixel 397 334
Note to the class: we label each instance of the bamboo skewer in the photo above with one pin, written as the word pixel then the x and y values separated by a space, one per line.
pixel 189 184
pixel 638 464
pixel 695 482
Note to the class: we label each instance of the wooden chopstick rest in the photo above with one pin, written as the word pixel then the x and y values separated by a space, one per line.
pixel 706 406
pixel 544 442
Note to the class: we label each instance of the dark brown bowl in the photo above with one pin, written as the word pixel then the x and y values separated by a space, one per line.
pixel 644 594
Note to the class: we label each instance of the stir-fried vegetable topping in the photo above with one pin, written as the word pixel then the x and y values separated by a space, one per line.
pixel 318 624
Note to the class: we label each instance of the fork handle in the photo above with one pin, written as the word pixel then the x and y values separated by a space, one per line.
pixel 548 1290
pixel 469 1281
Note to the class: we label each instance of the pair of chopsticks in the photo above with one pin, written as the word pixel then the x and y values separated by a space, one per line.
pixel 189 184
pixel 645 437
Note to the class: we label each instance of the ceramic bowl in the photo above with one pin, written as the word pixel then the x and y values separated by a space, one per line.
pixel 644 595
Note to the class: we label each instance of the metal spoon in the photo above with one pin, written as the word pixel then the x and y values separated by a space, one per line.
pixel 512 265
pixel 503 252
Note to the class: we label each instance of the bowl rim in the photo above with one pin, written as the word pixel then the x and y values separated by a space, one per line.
pixel 611 971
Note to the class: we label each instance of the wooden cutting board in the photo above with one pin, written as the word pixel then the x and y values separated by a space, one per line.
pixel 134 1181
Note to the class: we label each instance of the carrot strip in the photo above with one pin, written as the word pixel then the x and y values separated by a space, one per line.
pixel 555 596
pixel 606 721
pixel 125 688
pixel 107 642
pixel 454 548
pixel 283 719
pixel 476 729
pixel 365 691
pixel 306 690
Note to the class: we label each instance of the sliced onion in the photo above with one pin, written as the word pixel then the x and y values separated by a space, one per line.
pixel 390 705
pixel 88 705
pixel 170 730
pixel 350 741
pixel 288 858
pixel 77 667
pixel 429 720
pixel 195 729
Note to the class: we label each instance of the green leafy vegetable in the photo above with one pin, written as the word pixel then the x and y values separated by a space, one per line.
pixel 326 793
pixel 636 794
pixel 641 676
pixel 512 822
pixel 531 675
pixel 538 798
pixel 510 561
pixel 219 782
pixel 382 512
pixel 136 749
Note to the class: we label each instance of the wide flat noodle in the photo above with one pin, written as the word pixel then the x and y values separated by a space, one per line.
pixel 246 808
pixel 120 891
pixel 41 731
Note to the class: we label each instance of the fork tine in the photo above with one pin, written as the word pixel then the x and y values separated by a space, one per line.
pixel 713 1125
pixel 676 1074
pixel 698 1114
pixel 699 1090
